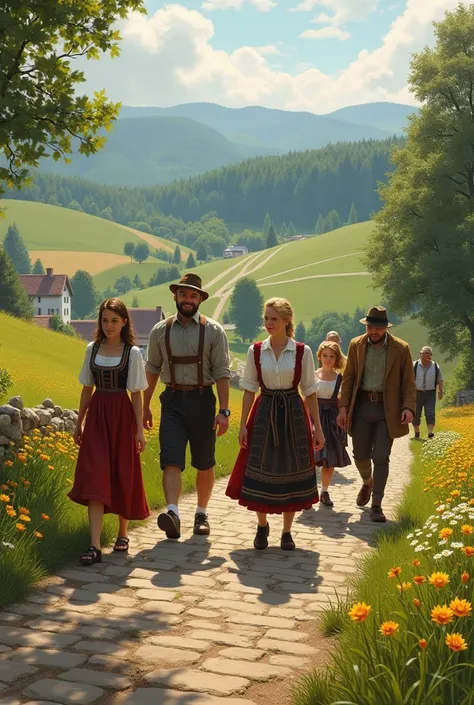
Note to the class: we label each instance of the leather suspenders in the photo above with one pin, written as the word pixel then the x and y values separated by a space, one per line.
pixel 186 359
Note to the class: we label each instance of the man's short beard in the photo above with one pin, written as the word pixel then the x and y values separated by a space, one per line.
pixel 189 312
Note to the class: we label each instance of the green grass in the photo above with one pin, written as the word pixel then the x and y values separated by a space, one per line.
pixel 417 336
pixel 145 271
pixel 46 364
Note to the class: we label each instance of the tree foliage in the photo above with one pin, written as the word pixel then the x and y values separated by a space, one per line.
pixel 123 284
pixel 177 255
pixel 246 308
pixel 272 239
pixel 86 297
pixel 141 252
pixel 16 249
pixel 38 267
pixel 352 219
pixel 201 252
pixel 300 332
pixel 13 297
pixel 42 111
pixel 191 262
pixel 422 251
pixel 129 249
pixel 57 324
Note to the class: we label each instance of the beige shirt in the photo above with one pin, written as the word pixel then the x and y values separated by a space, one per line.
pixel 374 367
pixel 184 341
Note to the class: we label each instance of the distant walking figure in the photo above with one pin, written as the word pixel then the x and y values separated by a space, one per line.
pixel 333 337
pixel 328 384
pixel 275 472
pixel 108 474
pixel 428 377
pixel 378 399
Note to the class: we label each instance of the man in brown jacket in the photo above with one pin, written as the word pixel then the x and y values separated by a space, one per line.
pixel 378 401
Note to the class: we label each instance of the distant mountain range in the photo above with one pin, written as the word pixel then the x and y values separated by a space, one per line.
pixel 154 146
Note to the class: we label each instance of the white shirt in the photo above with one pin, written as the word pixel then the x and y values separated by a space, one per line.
pixel 279 374
pixel 425 376
pixel 136 378
pixel 325 388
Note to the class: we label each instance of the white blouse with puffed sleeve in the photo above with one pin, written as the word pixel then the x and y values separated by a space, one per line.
pixel 136 378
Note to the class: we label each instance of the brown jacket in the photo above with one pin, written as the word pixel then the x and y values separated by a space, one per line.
pixel 399 381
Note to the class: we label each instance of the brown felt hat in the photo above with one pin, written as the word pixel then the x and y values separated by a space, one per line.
pixel 190 281
pixel 376 316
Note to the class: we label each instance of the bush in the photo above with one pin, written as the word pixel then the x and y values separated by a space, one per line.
pixel 5 382
pixel 58 325
pixel 461 378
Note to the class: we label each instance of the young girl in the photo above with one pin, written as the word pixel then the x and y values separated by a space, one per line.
pixel 328 383
pixel 275 472
pixel 108 472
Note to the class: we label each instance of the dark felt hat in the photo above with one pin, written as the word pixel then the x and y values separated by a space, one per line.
pixel 190 281
pixel 376 316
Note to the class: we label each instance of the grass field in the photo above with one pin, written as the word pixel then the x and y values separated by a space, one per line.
pixel 70 262
pixel 129 269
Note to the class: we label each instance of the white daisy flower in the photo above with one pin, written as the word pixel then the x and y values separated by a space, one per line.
pixel 446 553
pixel 409 536
pixel 457 544
pixel 7 544
pixel 413 543
pixel 437 556
pixel 442 542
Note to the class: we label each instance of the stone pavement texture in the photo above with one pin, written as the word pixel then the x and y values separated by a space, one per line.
pixel 201 621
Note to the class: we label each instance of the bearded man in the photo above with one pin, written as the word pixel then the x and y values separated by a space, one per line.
pixel 190 353
pixel 378 401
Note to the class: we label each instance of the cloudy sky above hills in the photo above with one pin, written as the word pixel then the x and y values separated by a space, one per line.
pixel 316 55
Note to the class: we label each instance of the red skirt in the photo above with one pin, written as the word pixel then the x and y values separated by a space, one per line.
pixel 305 492
pixel 108 466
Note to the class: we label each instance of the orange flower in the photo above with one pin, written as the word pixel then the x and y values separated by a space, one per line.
pixel 467 550
pixel 416 602
pixel 394 572
pixel 464 576
pixel 467 529
pixel 11 513
pixel 50 467
pixel 26 483
pixel 419 579
pixel 359 612
pixel 445 533
pixel 416 563
pixel 442 615
pixel 389 628
pixel 455 493
pixel 439 580
pixel 43 456
pixel 45 517
pixel 461 608
pixel 456 642
pixel 404 586
pixel 12 483
pixel 24 517
pixel 23 510
pixel 21 527
pixel 8 463
pixel 37 534
pixel 422 643
pixel 4 498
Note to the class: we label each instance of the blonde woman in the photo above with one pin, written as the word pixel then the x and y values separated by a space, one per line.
pixel 275 470
pixel 328 384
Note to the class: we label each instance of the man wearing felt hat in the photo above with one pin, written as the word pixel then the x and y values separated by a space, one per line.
pixel 378 401
pixel 190 353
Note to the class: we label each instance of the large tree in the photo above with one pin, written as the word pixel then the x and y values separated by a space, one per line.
pixel 13 297
pixel 191 262
pixel 38 267
pixel 422 251
pixel 141 252
pixel 129 249
pixel 42 109
pixel 246 308
pixel 15 247
pixel 271 239
pixel 177 255
pixel 86 297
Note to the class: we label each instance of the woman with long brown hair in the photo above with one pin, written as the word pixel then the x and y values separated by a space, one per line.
pixel 275 471
pixel 108 473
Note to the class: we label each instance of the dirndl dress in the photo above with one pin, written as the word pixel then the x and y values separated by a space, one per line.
pixel 108 467
pixel 275 473
pixel 334 453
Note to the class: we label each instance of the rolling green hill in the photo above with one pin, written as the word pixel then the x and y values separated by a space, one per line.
pixel 155 150
pixel 145 271
pixel 392 117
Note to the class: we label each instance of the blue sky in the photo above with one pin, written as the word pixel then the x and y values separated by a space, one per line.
pixel 315 55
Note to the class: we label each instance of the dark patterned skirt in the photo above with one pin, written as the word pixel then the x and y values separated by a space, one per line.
pixel 276 472
pixel 334 454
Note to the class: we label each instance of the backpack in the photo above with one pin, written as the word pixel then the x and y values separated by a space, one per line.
pixel 415 367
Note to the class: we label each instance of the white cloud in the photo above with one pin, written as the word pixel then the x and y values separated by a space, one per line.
pixel 268 49
pixel 261 5
pixel 168 58
pixel 329 32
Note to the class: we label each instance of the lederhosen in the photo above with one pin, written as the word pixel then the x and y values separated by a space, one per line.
pixel 187 411
pixel 276 472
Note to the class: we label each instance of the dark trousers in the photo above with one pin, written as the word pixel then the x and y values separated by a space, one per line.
pixel 425 400
pixel 371 444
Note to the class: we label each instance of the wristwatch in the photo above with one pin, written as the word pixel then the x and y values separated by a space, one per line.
pixel 224 412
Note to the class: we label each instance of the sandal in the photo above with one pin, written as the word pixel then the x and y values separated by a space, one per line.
pixel 91 556
pixel 121 545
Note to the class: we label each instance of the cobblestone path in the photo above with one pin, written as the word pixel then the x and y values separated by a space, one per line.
pixel 195 622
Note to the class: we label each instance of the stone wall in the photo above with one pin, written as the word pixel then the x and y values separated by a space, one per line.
pixel 17 421
pixel 465 397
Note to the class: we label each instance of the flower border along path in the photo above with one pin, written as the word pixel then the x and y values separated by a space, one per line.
pixel 194 622
pixel 411 638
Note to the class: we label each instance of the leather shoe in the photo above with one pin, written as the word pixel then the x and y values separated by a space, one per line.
pixel 201 525
pixel 326 499
pixel 261 537
pixel 169 523
pixel 287 543
pixel 364 495
pixel 376 513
